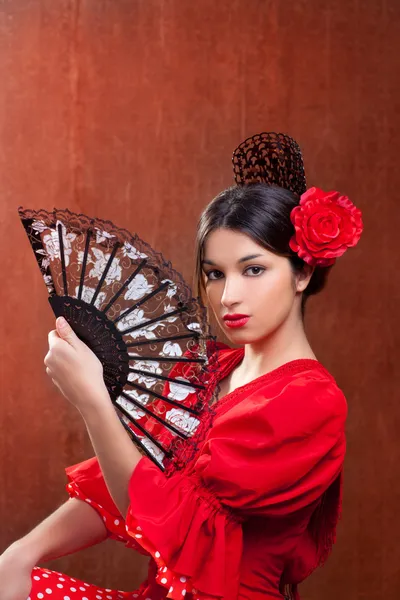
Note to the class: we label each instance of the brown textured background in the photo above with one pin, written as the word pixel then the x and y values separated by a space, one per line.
pixel 129 110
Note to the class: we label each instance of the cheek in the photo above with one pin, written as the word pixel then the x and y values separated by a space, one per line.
pixel 274 297
pixel 213 295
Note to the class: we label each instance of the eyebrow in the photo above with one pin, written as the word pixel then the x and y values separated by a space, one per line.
pixel 241 260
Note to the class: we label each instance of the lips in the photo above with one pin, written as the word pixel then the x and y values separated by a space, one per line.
pixel 236 320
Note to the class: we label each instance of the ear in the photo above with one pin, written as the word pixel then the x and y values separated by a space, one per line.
pixel 303 277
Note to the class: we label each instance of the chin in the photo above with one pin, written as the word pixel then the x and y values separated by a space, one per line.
pixel 244 336
pixel 240 337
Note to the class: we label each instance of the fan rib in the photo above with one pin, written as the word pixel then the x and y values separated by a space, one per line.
pixel 127 282
pixel 167 339
pixel 144 299
pixel 136 439
pixel 161 397
pixel 104 275
pixel 149 412
pixel 169 359
pixel 151 321
pixel 63 267
pixel 84 263
pixel 143 430
pixel 164 378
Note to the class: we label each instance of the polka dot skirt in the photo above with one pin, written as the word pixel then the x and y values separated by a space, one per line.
pixel 49 585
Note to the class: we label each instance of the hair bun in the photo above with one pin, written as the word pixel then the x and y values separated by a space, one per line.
pixel 273 158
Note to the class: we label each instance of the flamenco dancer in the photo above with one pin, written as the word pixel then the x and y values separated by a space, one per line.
pixel 255 511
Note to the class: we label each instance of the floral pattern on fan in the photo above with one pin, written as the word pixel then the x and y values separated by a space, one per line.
pixel 128 304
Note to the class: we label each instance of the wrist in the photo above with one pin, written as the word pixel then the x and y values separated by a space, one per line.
pixel 97 407
pixel 24 553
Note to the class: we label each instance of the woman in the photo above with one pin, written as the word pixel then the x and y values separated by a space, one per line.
pixel 255 511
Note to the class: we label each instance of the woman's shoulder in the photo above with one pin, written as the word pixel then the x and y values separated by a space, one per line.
pixel 301 382
pixel 304 386
pixel 301 386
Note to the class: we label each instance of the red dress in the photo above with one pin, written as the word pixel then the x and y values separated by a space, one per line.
pixel 251 515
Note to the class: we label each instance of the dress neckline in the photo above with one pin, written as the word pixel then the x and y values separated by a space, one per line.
pixel 235 356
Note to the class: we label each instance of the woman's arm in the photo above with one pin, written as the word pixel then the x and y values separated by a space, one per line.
pixel 115 451
pixel 72 527
pixel 78 374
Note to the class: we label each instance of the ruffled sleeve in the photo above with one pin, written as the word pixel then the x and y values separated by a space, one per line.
pixel 86 483
pixel 274 452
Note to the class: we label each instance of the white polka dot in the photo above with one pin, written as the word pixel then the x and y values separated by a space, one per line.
pixel 60 586
pixel 165 569
pixel 40 595
pixel 49 591
pixel 171 589
pixel 45 575
pixel 98 597
pixel 163 580
pixel 84 598
pixel 183 579
pixel 61 579
pixel 138 536
pixel 116 522
pixel 67 598
pixel 157 554
pixel 36 577
pixel 88 500
pixel 183 592
pixel 109 597
pixel 73 589
pixel 82 589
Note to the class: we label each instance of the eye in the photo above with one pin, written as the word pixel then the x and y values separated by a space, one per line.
pixel 213 275
pixel 256 271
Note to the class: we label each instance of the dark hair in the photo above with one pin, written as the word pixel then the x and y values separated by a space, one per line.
pixel 262 212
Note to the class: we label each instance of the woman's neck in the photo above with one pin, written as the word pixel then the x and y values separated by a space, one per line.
pixel 288 342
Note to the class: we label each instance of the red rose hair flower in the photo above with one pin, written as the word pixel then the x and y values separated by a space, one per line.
pixel 326 224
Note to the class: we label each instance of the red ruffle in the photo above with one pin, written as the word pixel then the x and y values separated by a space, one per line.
pixel 113 521
pixel 183 525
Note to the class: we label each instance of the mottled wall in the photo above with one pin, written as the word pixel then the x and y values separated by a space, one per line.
pixel 130 109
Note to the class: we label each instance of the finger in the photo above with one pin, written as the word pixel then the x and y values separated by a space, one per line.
pixel 53 337
pixel 66 333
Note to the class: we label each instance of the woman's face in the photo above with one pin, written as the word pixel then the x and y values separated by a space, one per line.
pixel 243 278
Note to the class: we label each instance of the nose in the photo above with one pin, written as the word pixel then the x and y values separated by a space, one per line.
pixel 231 296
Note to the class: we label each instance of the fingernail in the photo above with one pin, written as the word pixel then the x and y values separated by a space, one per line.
pixel 62 322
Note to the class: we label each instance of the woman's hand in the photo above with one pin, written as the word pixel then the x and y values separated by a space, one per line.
pixel 15 576
pixel 74 368
pixel 78 374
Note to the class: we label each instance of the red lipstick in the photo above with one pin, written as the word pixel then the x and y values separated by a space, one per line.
pixel 236 320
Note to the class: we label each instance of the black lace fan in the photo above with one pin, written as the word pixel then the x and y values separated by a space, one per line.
pixel 138 316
